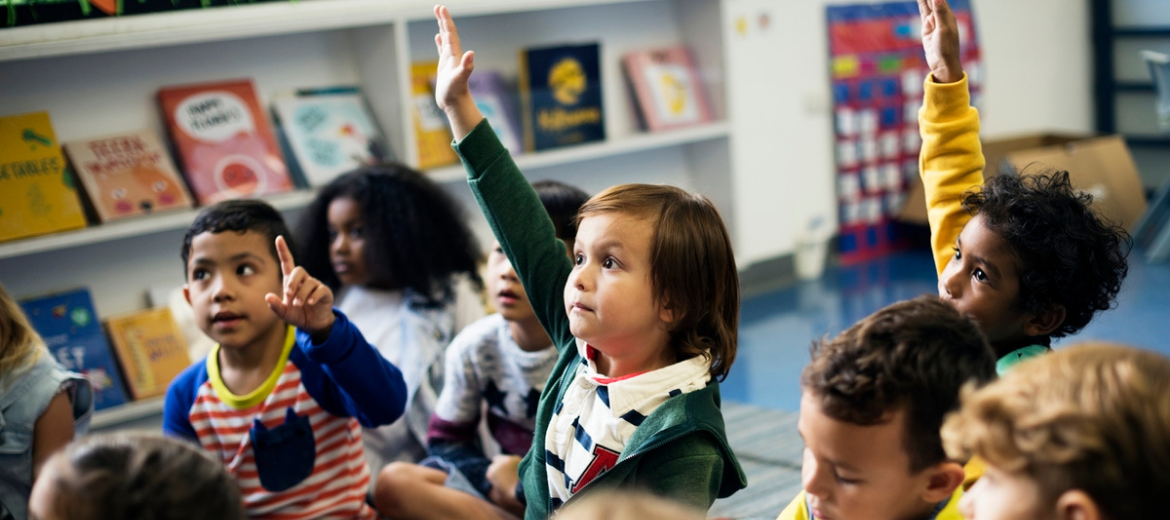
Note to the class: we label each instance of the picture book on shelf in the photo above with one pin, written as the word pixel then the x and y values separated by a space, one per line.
pixel 430 124
pixel 224 143
pixel 560 89
pixel 127 175
pixel 69 325
pixel 667 88
pixel 496 101
pixel 150 348
pixel 38 194
pixel 327 132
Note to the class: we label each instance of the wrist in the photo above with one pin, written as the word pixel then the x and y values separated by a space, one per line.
pixel 949 73
pixel 321 334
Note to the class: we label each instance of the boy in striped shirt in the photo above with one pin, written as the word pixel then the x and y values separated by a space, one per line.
pixel 283 395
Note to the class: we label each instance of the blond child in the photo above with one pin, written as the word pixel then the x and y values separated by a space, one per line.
pixel 1083 433
pixel 134 477
pixel 42 407
pixel 644 319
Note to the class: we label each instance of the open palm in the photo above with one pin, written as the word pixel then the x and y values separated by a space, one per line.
pixel 940 40
pixel 455 66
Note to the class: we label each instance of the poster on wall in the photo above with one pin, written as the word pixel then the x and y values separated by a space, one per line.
pixel 877 68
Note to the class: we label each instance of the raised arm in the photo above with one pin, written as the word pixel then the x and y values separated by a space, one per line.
pixel 951 161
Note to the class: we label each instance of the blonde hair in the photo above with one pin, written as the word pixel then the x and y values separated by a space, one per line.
pixel 692 267
pixel 1094 418
pixel 626 505
pixel 19 343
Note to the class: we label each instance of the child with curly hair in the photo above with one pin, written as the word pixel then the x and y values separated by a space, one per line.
pixel 398 251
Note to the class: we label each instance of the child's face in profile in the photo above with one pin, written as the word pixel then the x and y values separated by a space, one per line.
pixel 1000 495
pixel 981 281
pixel 228 274
pixel 609 295
pixel 347 242
pixel 853 472
pixel 504 288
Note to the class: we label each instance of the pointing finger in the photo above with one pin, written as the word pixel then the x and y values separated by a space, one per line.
pixel 286 258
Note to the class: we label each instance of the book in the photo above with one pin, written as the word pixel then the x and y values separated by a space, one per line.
pixel 69 325
pixel 496 103
pixel 431 132
pixel 667 88
pixel 560 89
pixel 38 194
pixel 127 175
pixel 328 132
pixel 224 143
pixel 150 349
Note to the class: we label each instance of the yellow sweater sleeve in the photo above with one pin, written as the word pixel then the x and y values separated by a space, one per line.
pixel 796 509
pixel 951 161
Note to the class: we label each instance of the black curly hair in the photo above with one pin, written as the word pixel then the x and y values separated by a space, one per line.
pixel 1068 255
pixel 418 237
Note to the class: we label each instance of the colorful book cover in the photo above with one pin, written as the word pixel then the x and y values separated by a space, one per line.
pixel 37 192
pixel 69 325
pixel 329 132
pixel 127 175
pixel 430 124
pixel 496 103
pixel 224 142
pixel 560 88
pixel 151 350
pixel 667 88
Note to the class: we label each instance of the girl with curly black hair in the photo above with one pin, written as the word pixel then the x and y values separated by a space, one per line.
pixel 398 250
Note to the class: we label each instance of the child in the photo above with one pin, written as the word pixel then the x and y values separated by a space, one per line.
pixel 42 406
pixel 280 397
pixel 873 400
pixel 135 477
pixel 406 267
pixel 644 318
pixel 1083 433
pixel 501 361
pixel 1025 256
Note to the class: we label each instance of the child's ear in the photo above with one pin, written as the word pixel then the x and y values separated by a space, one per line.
pixel 666 314
pixel 1044 322
pixel 1075 504
pixel 943 480
pixel 187 293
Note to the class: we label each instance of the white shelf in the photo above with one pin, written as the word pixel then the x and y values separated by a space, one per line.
pixel 236 22
pixel 608 148
pixel 131 411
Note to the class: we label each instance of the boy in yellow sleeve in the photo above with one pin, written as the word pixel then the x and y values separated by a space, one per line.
pixel 1026 257
pixel 873 401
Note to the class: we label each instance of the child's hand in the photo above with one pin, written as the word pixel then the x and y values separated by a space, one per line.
pixel 504 474
pixel 455 66
pixel 940 39
pixel 307 303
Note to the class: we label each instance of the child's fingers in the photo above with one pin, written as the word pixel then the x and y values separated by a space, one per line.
pixel 941 7
pixel 448 31
pixel 316 295
pixel 307 286
pixel 467 64
pixel 439 44
pixel 286 259
pixel 924 8
pixel 275 304
pixel 292 286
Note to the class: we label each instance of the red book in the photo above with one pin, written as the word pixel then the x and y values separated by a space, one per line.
pixel 224 142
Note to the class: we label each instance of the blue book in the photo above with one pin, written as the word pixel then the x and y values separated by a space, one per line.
pixel 327 132
pixel 70 327
pixel 561 92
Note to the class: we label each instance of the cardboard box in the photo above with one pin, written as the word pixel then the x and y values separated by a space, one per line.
pixel 1101 166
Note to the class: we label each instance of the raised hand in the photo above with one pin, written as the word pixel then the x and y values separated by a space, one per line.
pixel 940 40
pixel 307 303
pixel 455 67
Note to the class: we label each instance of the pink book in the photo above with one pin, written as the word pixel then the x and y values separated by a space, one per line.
pixel 667 88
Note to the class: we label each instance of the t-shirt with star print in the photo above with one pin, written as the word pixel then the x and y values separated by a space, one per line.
pixel 485 366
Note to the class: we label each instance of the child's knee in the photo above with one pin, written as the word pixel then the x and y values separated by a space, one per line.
pixel 394 482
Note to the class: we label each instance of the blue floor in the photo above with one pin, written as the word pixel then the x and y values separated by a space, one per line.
pixel 777 328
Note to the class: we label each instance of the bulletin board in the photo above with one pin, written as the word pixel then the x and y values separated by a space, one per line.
pixel 877 67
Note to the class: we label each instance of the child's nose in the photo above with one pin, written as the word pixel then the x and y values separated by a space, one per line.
pixel 222 290
pixel 951 283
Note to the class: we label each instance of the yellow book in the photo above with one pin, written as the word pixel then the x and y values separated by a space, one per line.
pixel 37 193
pixel 150 349
pixel 430 124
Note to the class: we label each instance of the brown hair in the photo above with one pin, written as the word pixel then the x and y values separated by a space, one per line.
pixel 913 355
pixel 1094 418
pixel 19 343
pixel 141 477
pixel 693 267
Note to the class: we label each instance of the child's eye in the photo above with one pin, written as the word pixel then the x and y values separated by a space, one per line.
pixel 332 233
pixel 355 233
pixel 245 270
pixel 846 481
pixel 200 274
pixel 980 275
pixel 609 263
pixel 500 250
pixel 958 254
pixel 579 259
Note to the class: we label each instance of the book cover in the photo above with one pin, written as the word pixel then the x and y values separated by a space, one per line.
pixel 560 88
pixel 430 124
pixel 224 143
pixel 495 101
pixel 667 88
pixel 38 194
pixel 150 348
pixel 328 132
pixel 127 175
pixel 69 325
